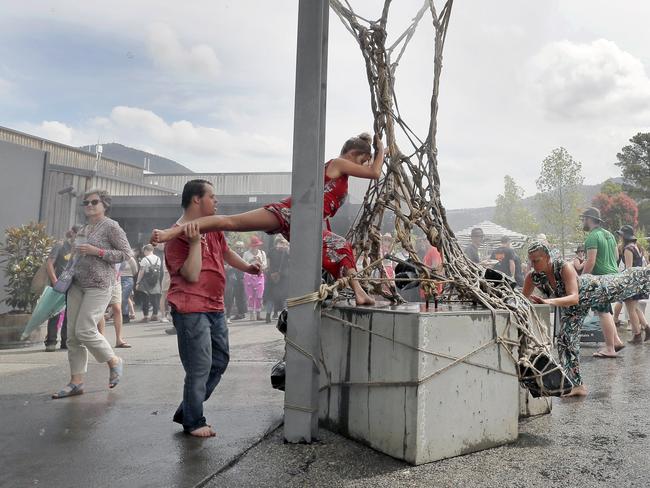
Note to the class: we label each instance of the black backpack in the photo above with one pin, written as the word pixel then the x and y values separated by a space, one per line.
pixel 151 275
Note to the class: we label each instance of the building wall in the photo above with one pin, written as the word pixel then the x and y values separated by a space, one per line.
pixel 62 154
pixel 20 192
pixel 228 183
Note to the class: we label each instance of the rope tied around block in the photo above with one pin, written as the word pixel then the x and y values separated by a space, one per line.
pixel 501 341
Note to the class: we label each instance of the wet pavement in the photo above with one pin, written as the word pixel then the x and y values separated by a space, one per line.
pixel 124 437
pixel 603 440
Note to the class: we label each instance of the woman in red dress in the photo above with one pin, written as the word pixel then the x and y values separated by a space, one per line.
pixel 275 218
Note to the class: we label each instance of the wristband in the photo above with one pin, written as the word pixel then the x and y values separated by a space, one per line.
pixel 101 253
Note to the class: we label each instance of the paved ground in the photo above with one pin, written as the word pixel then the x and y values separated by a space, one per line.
pixel 125 437
pixel 603 440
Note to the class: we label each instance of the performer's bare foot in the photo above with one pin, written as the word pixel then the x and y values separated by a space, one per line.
pixel 363 298
pixel 158 236
pixel 205 431
pixel 360 295
pixel 577 391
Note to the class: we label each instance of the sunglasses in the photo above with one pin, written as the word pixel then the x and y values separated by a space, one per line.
pixel 94 202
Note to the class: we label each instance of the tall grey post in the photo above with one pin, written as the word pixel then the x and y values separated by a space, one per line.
pixel 301 395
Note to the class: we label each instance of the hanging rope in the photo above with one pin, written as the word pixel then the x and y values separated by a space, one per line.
pixel 409 188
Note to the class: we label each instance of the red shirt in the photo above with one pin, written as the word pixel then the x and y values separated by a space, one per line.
pixel 207 294
pixel 433 259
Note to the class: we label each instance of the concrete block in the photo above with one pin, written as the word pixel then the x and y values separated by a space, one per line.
pixel 383 381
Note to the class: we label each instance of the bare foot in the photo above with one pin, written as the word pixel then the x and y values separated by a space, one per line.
pixel 205 431
pixel 364 299
pixel 155 237
pixel 579 391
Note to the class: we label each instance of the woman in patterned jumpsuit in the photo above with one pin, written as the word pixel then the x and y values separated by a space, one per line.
pixel 558 281
pixel 355 159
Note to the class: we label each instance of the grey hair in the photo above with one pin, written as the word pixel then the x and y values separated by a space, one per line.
pixel 538 246
pixel 103 195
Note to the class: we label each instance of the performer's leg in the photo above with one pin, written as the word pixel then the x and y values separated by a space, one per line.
pixel 338 260
pixel 259 219
pixel 568 346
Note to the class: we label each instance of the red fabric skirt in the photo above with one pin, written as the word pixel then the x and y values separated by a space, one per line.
pixel 337 252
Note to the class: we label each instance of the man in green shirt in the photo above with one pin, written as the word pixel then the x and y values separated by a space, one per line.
pixel 602 258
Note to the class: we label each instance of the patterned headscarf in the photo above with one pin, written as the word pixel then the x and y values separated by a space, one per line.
pixel 538 246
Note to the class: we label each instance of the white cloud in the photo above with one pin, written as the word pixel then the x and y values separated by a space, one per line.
pixel 210 149
pixel 51 130
pixel 169 54
pixel 580 81
pixel 5 88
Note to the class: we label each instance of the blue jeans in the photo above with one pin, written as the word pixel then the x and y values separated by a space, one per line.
pixel 203 348
pixel 127 287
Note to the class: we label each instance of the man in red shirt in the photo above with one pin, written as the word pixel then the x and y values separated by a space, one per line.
pixel 196 295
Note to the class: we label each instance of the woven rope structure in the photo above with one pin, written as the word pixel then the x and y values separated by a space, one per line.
pixel 410 187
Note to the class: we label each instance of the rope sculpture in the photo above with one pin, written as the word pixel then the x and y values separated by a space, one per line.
pixel 410 189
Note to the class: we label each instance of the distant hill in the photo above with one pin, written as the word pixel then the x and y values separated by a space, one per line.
pixel 157 164
pixel 461 218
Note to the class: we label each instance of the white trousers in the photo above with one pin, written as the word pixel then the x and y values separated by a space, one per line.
pixel 85 307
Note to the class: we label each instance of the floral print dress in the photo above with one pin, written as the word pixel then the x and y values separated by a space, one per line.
pixel 337 252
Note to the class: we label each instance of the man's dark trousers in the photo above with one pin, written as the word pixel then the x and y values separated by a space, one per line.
pixel 203 348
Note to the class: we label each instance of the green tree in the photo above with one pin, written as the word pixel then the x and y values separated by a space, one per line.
pixel 611 188
pixel 510 211
pixel 634 161
pixel 559 195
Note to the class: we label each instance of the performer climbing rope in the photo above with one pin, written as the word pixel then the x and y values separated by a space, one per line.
pixel 558 280
pixel 275 218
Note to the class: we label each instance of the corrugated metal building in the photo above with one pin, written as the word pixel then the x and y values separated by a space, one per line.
pixel 69 172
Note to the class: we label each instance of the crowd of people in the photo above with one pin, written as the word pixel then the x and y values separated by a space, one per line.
pixel 96 268
pixel 205 282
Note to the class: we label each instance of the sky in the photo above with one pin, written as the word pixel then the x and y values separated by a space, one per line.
pixel 210 83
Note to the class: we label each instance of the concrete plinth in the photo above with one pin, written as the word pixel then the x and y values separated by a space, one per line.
pixel 384 384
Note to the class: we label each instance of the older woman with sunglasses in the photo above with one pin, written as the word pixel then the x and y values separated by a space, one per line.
pixel 100 245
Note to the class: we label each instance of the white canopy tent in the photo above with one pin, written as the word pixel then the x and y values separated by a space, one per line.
pixel 492 236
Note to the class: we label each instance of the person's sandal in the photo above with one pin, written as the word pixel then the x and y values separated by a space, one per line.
pixel 123 345
pixel 115 374
pixel 69 390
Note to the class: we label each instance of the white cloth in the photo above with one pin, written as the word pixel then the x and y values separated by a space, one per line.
pixel 260 258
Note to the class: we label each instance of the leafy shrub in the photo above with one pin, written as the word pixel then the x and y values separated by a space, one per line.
pixel 24 251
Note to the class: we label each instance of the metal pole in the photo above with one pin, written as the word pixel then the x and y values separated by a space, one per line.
pixel 301 394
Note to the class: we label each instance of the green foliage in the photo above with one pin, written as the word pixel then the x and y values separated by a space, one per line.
pixel 634 161
pixel 641 239
pixel 24 251
pixel 510 211
pixel 559 196
pixel 610 188
pixel 644 213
